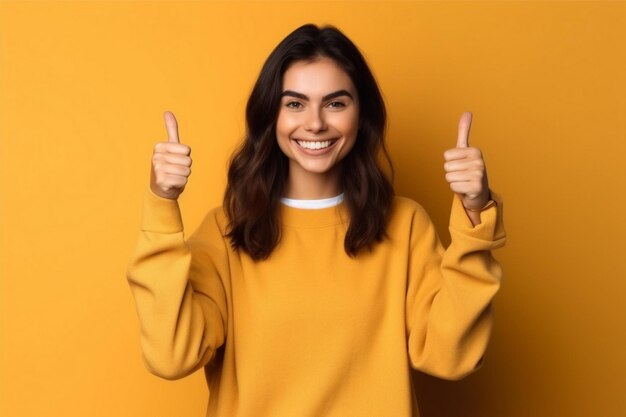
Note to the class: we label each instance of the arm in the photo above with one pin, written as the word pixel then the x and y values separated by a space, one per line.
pixel 178 289
pixel 448 304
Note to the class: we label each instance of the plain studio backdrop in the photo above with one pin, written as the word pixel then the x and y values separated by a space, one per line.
pixel 83 88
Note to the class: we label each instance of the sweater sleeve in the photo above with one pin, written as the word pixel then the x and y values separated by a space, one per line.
pixel 178 289
pixel 450 292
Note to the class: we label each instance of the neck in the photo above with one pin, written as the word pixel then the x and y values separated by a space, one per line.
pixel 304 185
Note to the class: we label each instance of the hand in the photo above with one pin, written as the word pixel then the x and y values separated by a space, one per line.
pixel 465 169
pixel 170 163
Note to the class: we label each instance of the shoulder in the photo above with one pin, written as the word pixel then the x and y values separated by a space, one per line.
pixel 219 217
pixel 213 225
pixel 405 203
pixel 405 206
pixel 408 213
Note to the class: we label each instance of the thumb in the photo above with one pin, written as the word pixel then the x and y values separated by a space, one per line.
pixel 172 127
pixel 464 127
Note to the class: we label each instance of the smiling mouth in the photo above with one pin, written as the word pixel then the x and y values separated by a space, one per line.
pixel 314 145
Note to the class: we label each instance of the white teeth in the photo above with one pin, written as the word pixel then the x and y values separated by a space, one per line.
pixel 314 145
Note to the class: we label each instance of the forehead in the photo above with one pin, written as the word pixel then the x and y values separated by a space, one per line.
pixel 317 78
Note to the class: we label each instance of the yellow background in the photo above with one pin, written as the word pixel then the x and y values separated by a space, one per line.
pixel 83 86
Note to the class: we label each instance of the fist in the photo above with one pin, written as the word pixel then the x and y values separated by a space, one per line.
pixel 465 169
pixel 170 163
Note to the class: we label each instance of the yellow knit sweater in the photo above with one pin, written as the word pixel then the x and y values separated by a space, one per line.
pixel 311 332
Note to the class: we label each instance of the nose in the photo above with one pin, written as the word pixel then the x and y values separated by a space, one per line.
pixel 315 121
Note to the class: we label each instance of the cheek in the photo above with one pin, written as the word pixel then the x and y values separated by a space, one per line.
pixel 285 123
pixel 350 126
pixel 344 121
pixel 283 131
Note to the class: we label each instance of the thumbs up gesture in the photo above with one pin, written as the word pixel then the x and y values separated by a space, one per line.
pixel 465 169
pixel 170 163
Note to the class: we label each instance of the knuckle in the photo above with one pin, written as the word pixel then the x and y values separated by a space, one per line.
pixel 186 149
pixel 160 181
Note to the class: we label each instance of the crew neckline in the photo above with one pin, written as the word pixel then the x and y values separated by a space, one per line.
pixel 307 218
pixel 316 204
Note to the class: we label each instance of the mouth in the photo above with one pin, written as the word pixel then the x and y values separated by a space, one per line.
pixel 316 145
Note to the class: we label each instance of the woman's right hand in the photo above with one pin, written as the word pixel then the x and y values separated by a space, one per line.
pixel 170 163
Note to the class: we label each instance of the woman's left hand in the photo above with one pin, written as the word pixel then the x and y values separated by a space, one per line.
pixel 465 169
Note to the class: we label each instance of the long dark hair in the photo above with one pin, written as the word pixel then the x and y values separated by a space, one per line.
pixel 258 169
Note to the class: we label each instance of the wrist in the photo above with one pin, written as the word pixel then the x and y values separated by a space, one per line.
pixel 490 203
pixel 478 203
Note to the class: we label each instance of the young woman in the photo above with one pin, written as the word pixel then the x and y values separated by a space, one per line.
pixel 314 290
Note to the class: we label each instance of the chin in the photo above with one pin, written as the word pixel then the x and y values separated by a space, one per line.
pixel 315 168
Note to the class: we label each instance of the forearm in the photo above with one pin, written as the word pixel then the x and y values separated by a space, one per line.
pixel 473 216
pixel 180 327
pixel 451 329
pixel 457 324
pixel 179 331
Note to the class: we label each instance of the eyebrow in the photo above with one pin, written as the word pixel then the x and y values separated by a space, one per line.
pixel 325 98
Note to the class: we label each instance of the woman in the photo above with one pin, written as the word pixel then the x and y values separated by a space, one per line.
pixel 314 290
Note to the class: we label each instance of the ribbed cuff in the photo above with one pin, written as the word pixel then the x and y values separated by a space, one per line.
pixel 491 227
pixel 160 215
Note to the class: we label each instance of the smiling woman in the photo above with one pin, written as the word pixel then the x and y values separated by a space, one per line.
pixel 313 290
pixel 316 129
pixel 317 99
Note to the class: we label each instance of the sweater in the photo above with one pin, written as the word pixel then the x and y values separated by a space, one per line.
pixel 310 331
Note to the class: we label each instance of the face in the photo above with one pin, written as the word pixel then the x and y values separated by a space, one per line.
pixel 318 119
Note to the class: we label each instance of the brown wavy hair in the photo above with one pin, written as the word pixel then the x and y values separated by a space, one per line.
pixel 258 169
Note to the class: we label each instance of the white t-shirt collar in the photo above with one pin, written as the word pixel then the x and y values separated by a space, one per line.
pixel 313 204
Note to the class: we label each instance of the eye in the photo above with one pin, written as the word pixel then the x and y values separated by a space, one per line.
pixel 293 105
pixel 336 104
